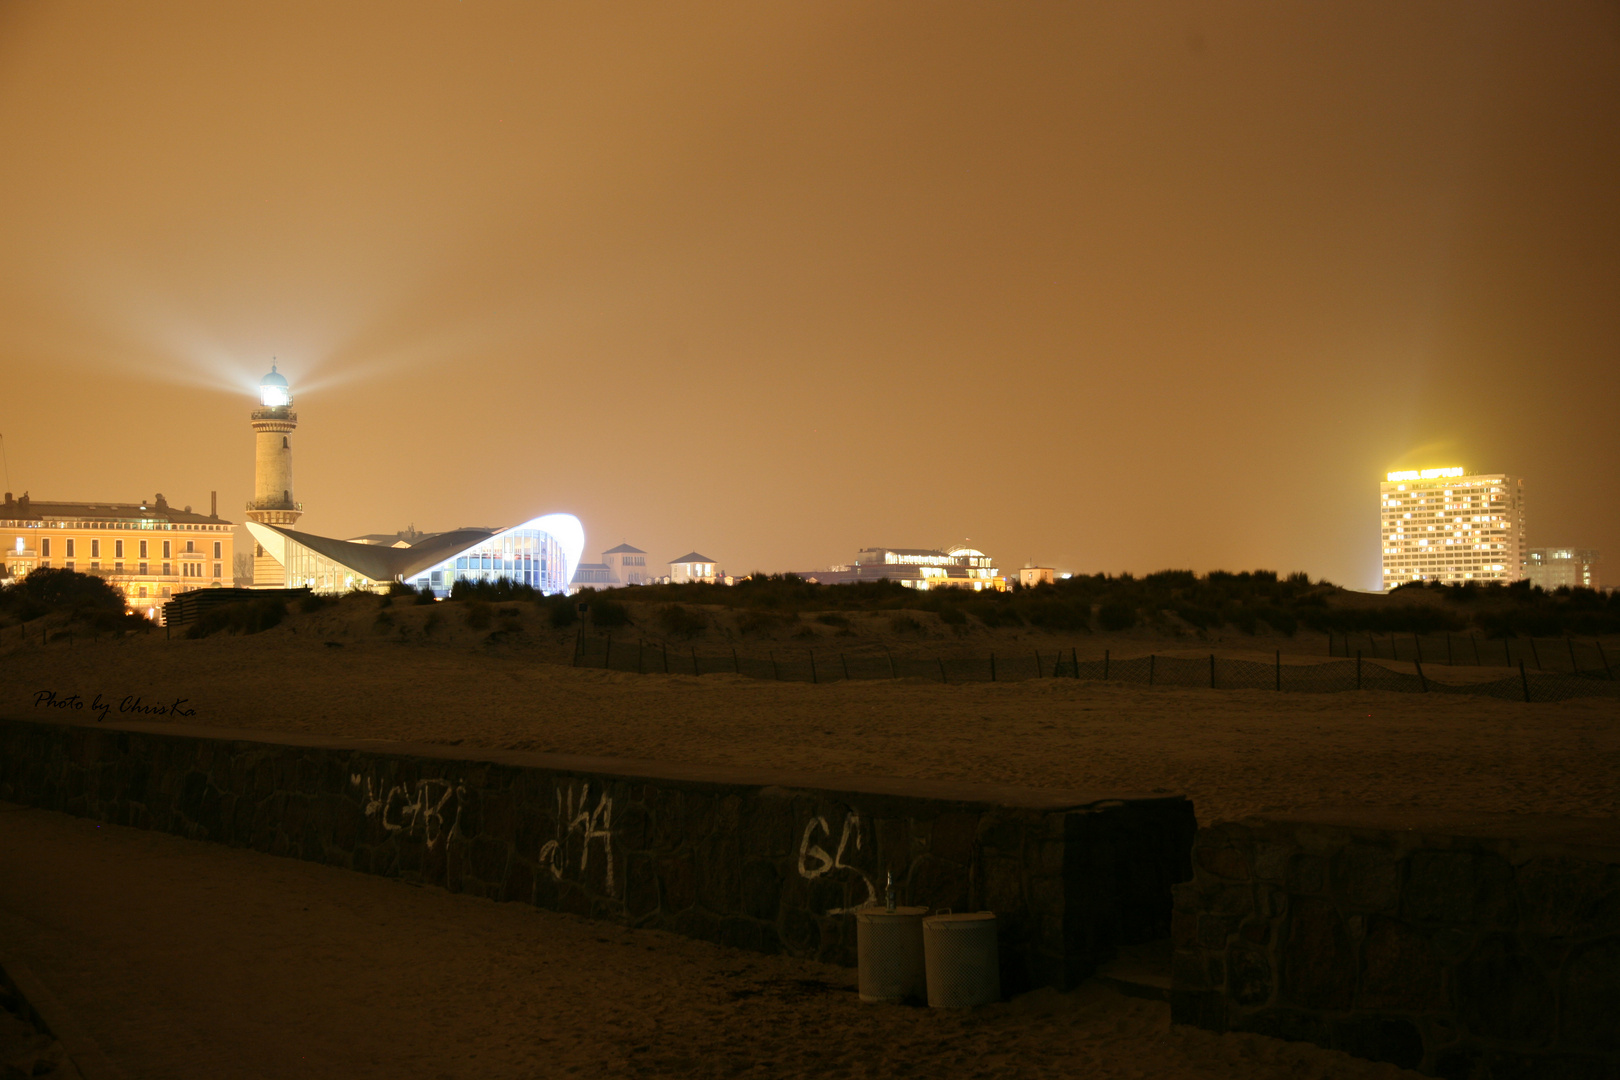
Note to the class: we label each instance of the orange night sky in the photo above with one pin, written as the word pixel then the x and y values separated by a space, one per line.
pixel 1113 286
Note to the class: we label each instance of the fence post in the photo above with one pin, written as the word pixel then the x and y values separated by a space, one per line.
pixel 1105 665
pixel 1573 666
pixel 992 667
pixel 1039 673
pixel 1474 641
pixel 1605 658
pixel 1279 670
pixel 695 669
pixel 842 659
pixel 813 679
pixel 1150 669
pixel 1358 669
pixel 1074 658
pixel 607 654
pixel 665 647
pixel 1535 654
pixel 1212 671
pixel 579 642
pixel 1421 680
pixel 892 673
pixel 1417 644
pixel 1524 681
pixel 942 669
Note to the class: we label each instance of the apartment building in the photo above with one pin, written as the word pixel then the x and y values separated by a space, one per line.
pixel 1451 526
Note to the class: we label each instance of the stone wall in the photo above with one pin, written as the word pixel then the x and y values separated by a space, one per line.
pixel 1481 946
pixel 759 861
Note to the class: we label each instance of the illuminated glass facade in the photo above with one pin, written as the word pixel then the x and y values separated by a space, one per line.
pixel 307 568
pixel 524 556
pixel 541 553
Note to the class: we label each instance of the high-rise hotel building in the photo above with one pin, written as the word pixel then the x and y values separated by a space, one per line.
pixel 1450 526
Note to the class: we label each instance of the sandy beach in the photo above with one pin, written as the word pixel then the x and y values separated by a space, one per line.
pixel 1233 752
pixel 194 960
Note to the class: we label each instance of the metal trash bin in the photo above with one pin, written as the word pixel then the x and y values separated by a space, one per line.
pixel 889 948
pixel 964 962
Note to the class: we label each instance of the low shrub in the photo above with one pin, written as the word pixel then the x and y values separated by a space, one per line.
pixel 498 591
pixel 479 615
pixel 313 602
pixel 1057 615
pixel 1116 616
pixel 561 614
pixel 682 621
pixel 247 617
pixel 608 614
pixel 904 624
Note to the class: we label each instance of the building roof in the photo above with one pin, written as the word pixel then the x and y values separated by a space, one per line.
pixel 26 509
pixel 380 563
pixel 691 557
pixel 624 549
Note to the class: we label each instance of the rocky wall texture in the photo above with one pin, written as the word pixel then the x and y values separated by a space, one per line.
pixel 1460 946
pixel 769 863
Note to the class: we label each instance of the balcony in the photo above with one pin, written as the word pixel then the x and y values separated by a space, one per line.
pixel 274 504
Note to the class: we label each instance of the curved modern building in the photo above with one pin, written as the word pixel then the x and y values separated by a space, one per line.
pixel 542 552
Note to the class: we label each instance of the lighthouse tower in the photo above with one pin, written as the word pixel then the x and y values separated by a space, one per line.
pixel 272 502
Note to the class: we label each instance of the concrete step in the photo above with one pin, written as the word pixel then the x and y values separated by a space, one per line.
pixel 1140 970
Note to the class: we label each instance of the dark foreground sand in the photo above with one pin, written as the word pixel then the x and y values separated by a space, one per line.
pixel 194 961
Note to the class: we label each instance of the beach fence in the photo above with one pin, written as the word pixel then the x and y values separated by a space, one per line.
pixel 632 654
pixel 1566 654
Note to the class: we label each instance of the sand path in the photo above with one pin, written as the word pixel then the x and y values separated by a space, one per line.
pixel 1233 752
pixel 192 961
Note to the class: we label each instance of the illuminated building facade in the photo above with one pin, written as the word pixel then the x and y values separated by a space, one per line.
pixel 622 565
pixel 272 504
pixel 692 567
pixel 1558 568
pixel 1450 526
pixel 541 553
pixel 149 551
pixel 917 568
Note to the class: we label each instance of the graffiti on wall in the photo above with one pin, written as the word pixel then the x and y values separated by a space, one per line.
pixel 814 860
pixel 592 824
pixel 411 809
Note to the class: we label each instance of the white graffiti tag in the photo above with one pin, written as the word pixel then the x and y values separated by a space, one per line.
pixel 400 809
pixel 813 853
pixel 591 823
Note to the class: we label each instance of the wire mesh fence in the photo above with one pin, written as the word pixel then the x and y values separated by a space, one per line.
pixel 1215 673
pixel 1567 654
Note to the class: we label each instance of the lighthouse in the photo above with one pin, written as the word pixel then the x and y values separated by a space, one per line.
pixel 272 504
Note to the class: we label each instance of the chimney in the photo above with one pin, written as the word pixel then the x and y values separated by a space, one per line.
pixel 213 504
